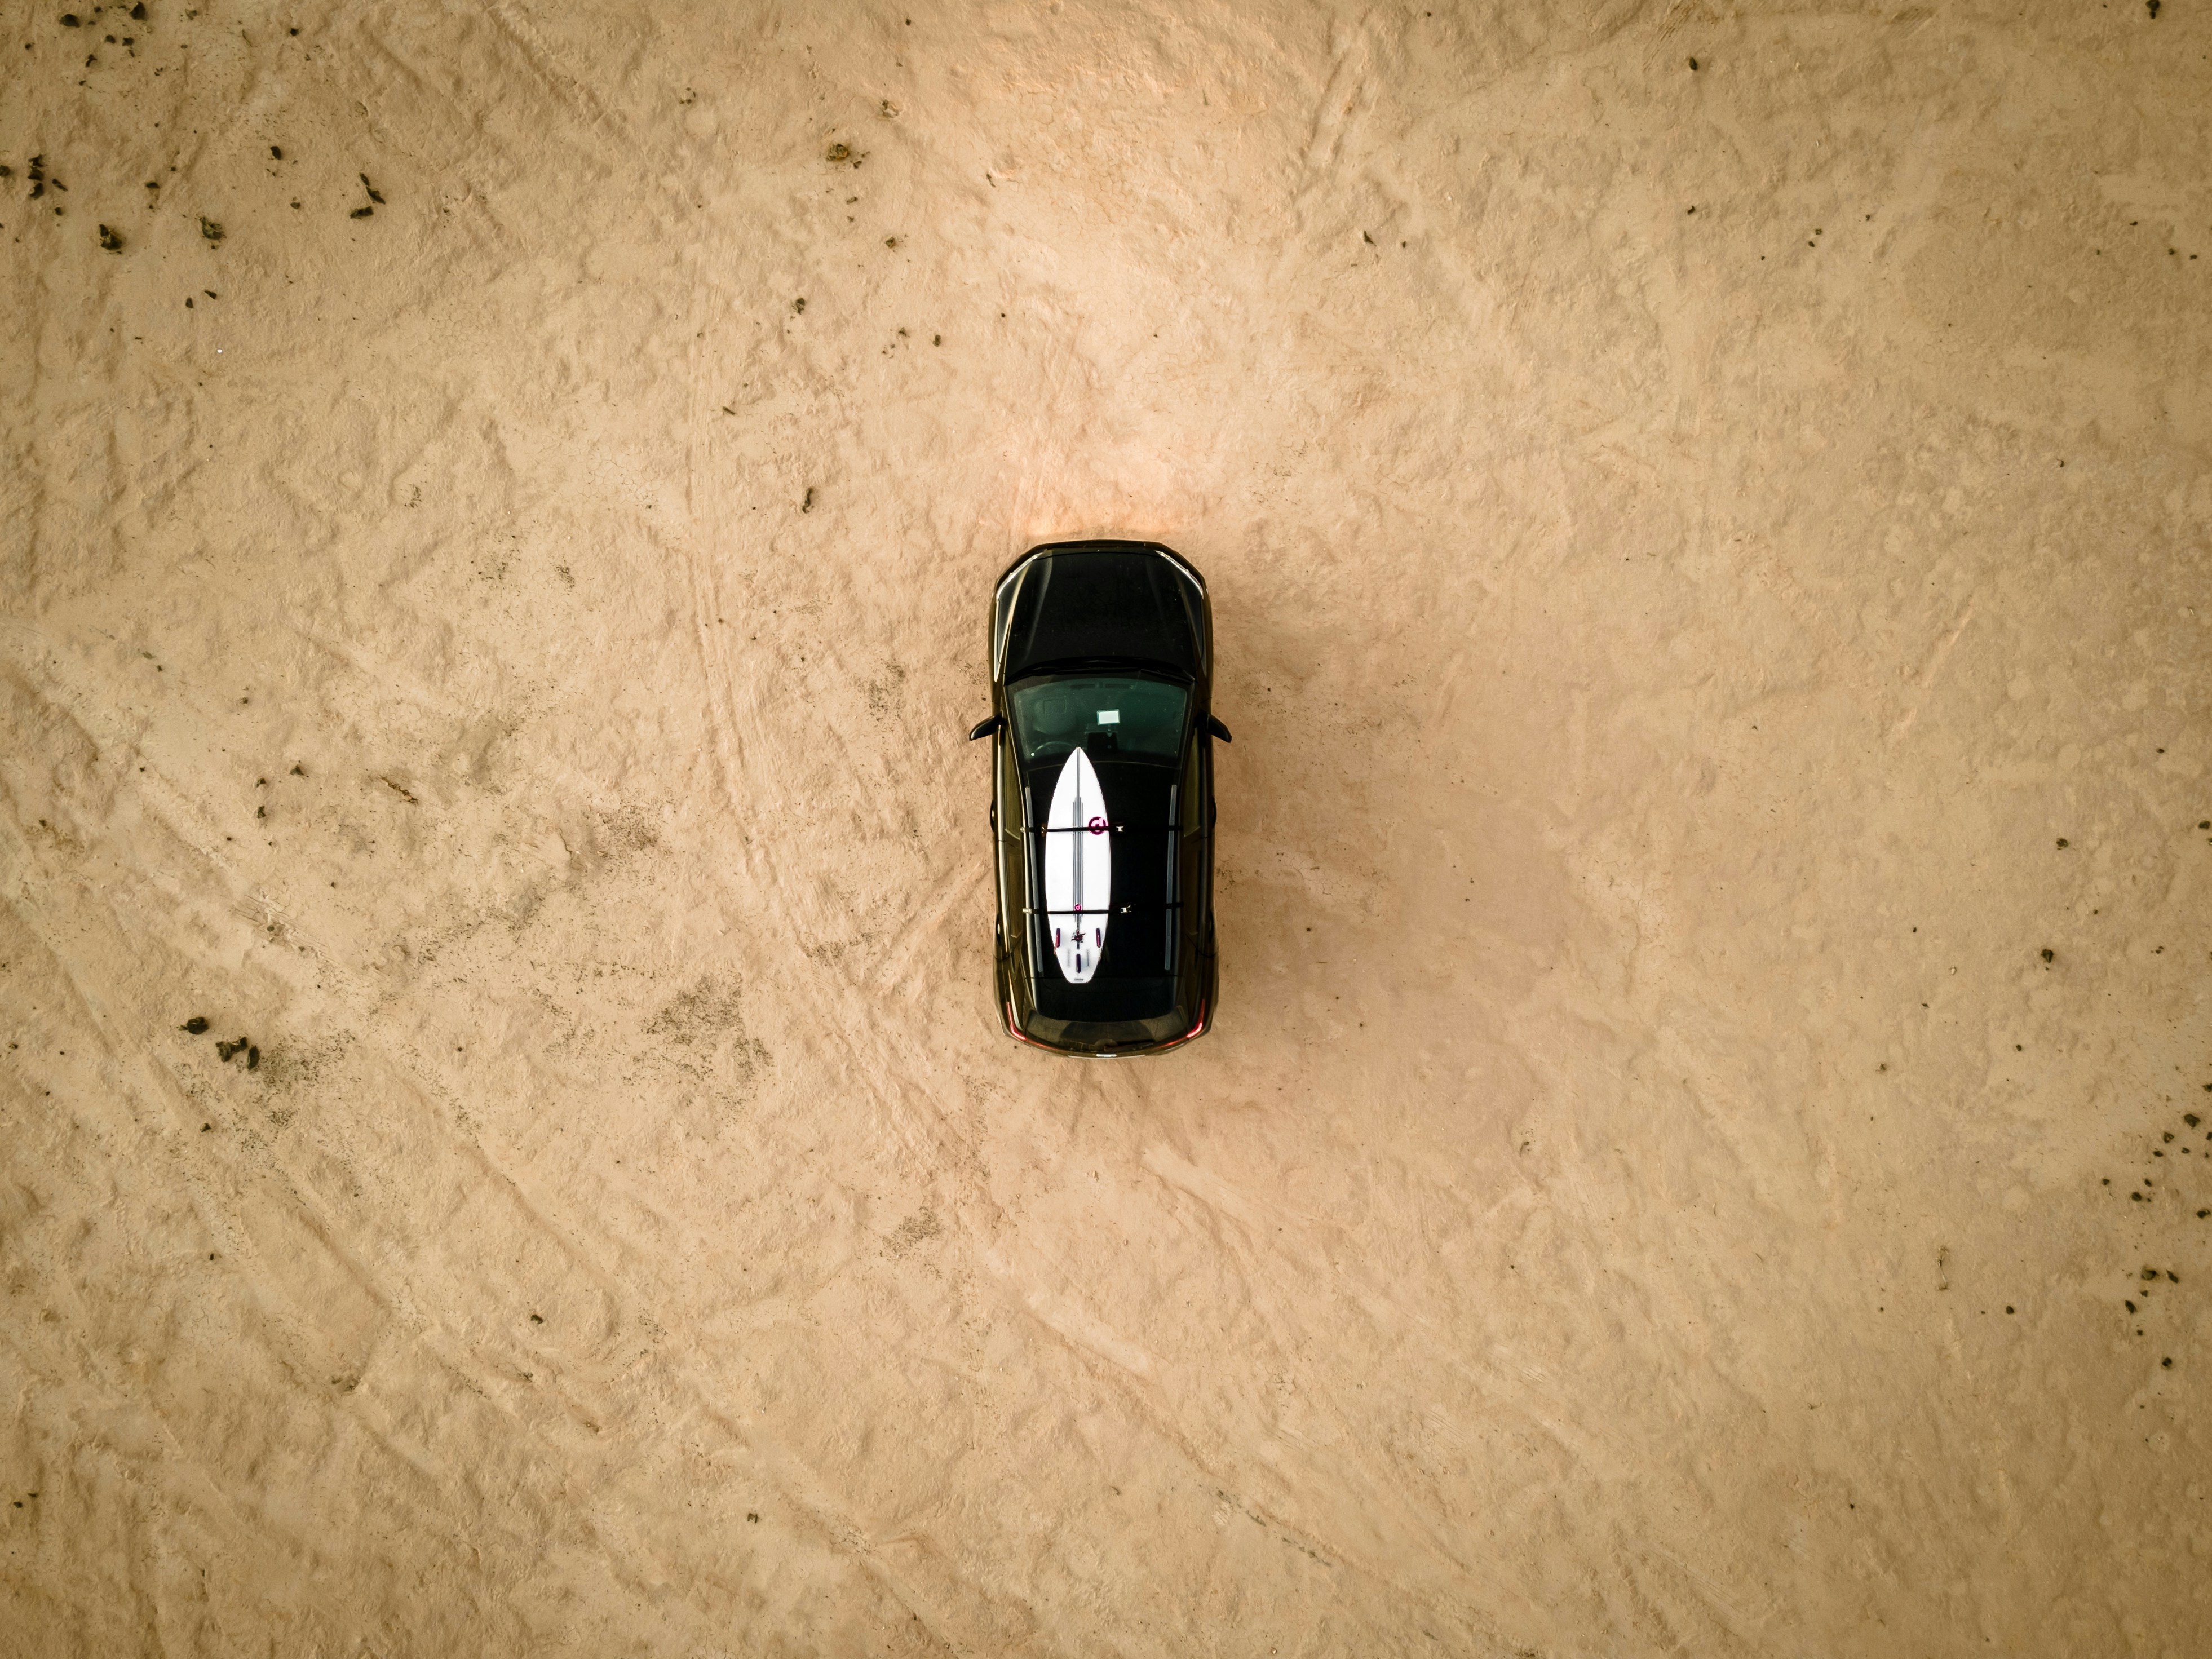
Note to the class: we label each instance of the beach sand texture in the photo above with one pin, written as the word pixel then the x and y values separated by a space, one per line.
pixel 1709 514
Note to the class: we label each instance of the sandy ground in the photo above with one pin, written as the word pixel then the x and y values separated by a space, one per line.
pixel 1716 901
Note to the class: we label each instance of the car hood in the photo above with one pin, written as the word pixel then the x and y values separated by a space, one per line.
pixel 1132 606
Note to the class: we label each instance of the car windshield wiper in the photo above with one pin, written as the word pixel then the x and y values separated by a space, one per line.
pixel 1101 665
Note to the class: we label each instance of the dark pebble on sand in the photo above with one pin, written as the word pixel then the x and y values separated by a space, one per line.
pixel 138 12
pixel 211 230
pixel 799 306
pixel 252 1058
pixel 361 213
pixel 275 153
pixel 2049 956
pixel 374 195
pixel 2136 1197
pixel 2062 840
pixel 196 1025
pixel 69 20
pixel 2150 1274
pixel 2131 1306
pixel 110 241
pixel 2191 1119
pixel 838 153
pixel 2164 1365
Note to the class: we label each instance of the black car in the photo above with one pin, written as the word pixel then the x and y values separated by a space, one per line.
pixel 1102 809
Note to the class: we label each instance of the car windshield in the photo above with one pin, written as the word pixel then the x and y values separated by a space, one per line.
pixel 1121 716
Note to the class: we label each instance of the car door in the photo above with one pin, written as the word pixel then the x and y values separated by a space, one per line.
pixel 1009 839
pixel 1194 825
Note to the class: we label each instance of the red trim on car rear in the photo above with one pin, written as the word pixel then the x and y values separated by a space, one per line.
pixel 1178 1043
pixel 1014 1030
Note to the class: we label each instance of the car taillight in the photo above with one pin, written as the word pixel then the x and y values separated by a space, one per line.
pixel 1178 1043
pixel 1013 1029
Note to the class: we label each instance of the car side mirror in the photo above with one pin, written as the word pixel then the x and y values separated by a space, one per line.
pixel 1215 728
pixel 987 729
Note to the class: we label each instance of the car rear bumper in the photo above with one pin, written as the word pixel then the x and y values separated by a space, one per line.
pixel 1010 1025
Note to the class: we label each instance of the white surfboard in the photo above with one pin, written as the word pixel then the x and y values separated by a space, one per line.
pixel 1078 869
